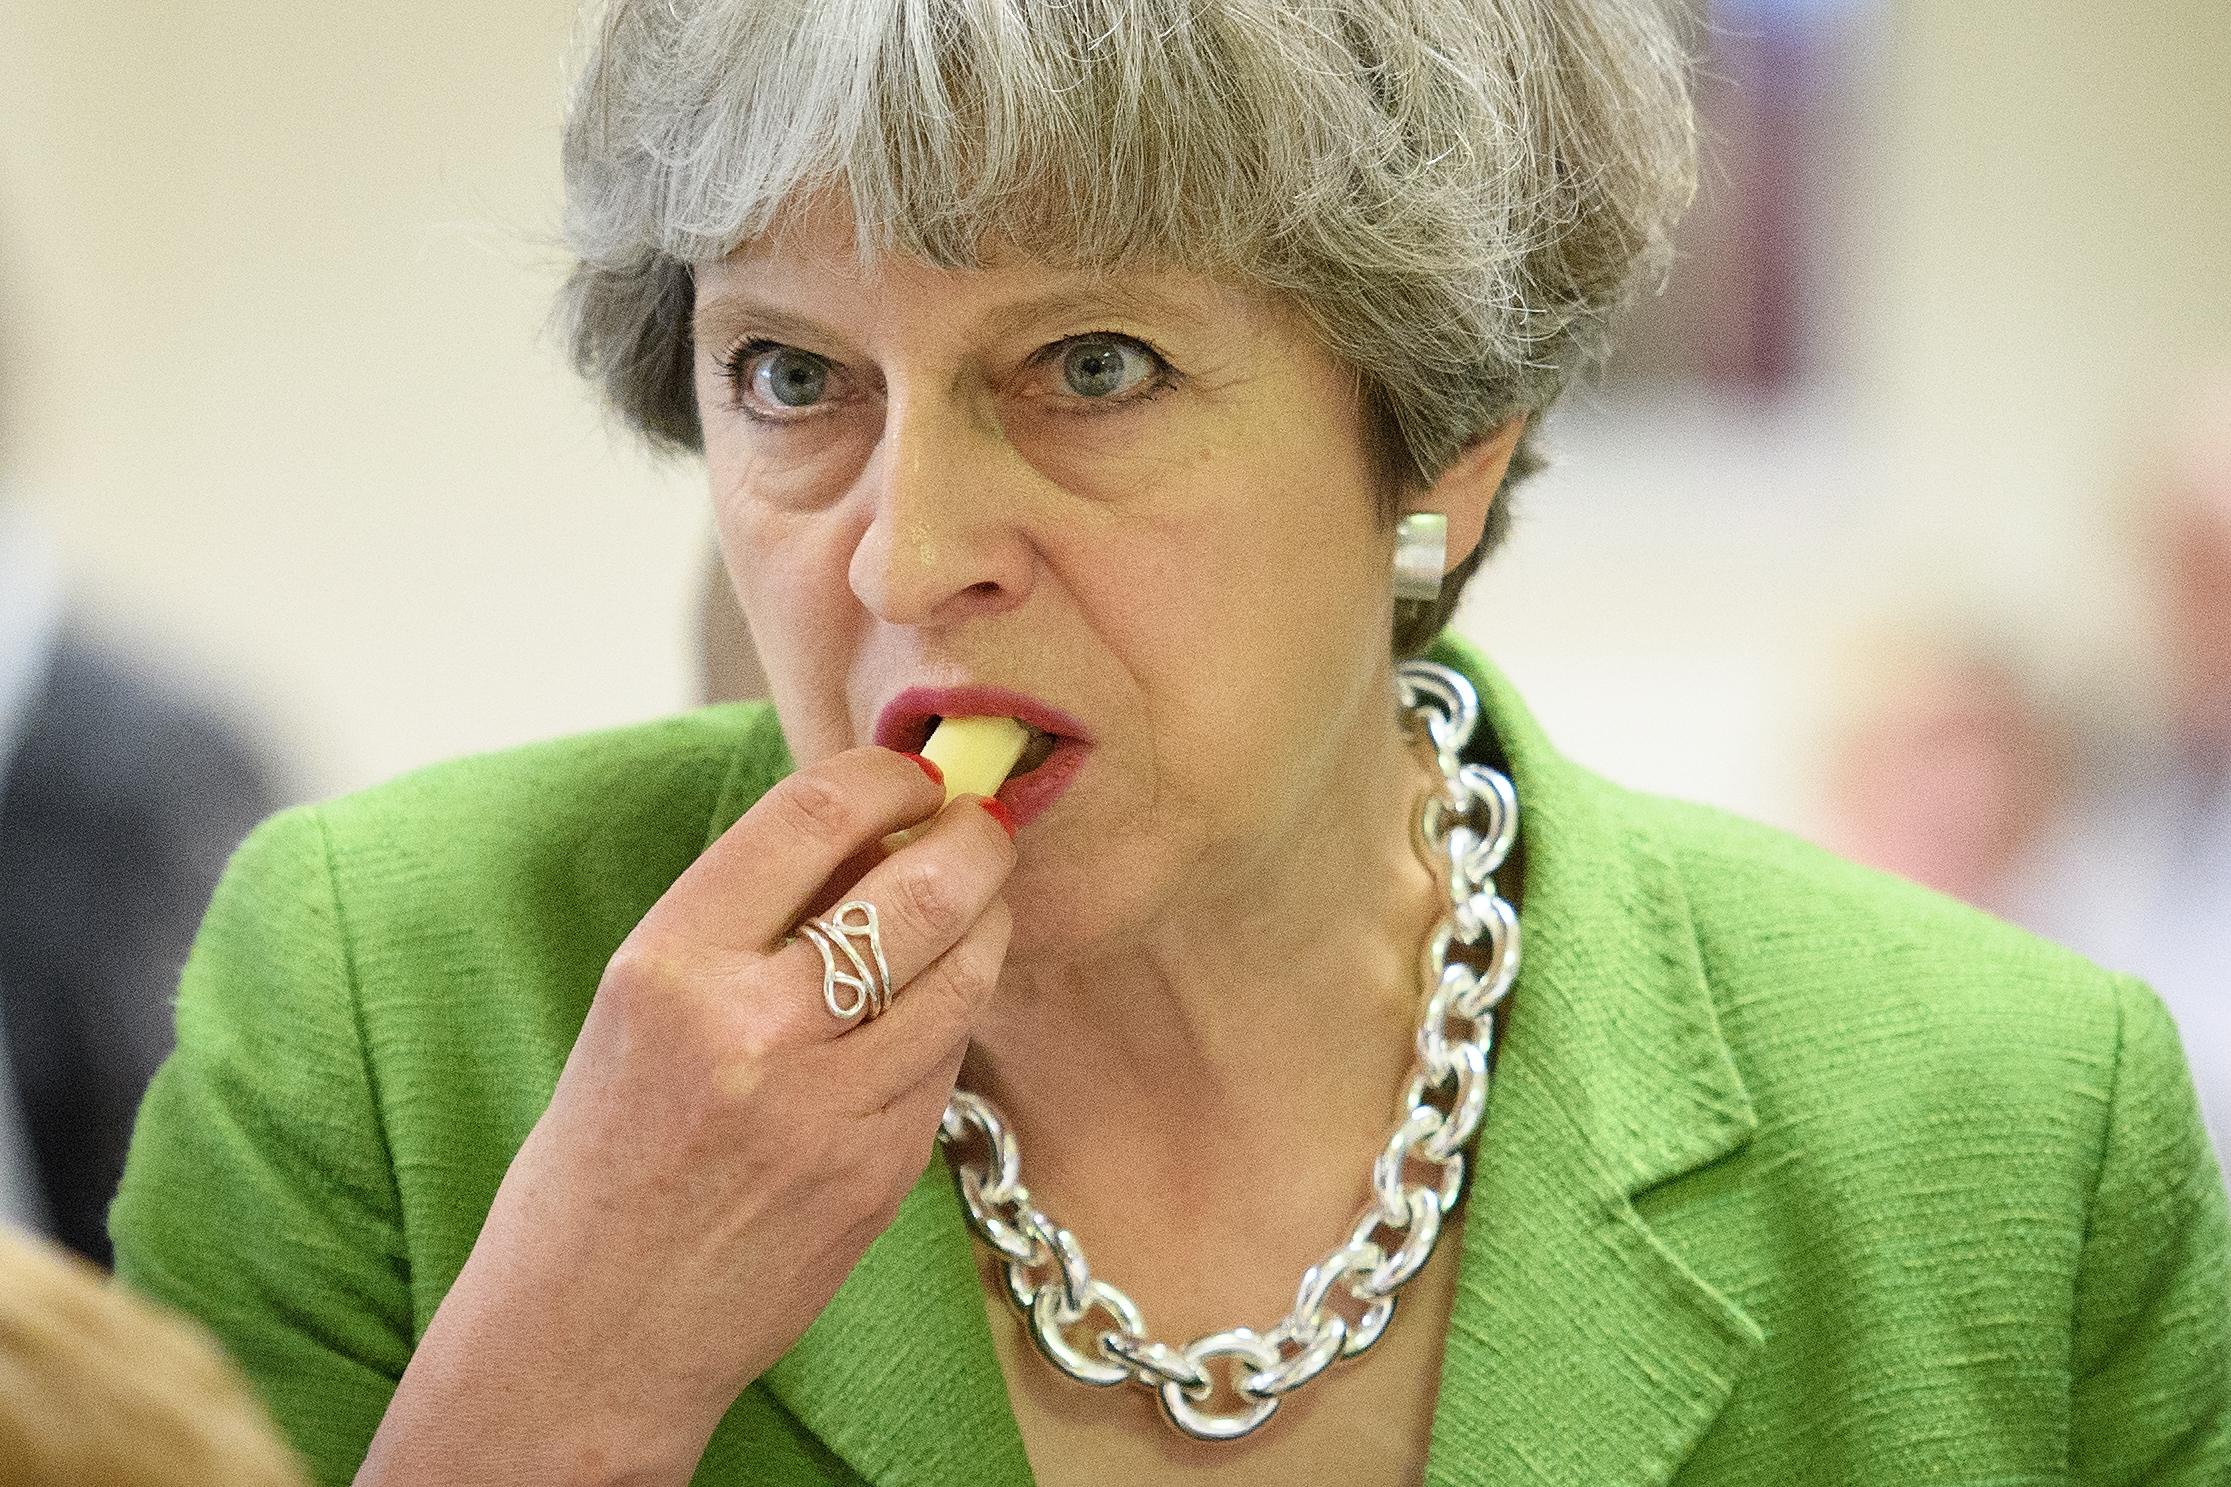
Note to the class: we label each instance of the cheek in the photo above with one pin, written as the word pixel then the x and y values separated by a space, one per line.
pixel 789 573
pixel 804 622
pixel 789 569
pixel 1138 466
pixel 783 471
pixel 773 506
pixel 1285 563
pixel 1236 623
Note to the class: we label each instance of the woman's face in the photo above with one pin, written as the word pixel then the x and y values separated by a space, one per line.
pixel 1144 501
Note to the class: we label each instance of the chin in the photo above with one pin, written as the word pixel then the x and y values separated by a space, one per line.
pixel 1056 908
pixel 1067 906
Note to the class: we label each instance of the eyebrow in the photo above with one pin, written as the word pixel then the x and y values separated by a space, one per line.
pixel 721 318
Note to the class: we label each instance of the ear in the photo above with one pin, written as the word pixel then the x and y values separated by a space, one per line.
pixel 1467 488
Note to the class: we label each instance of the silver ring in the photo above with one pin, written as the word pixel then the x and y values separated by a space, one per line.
pixel 870 984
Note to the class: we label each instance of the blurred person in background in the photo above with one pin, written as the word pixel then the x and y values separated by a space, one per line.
pixel 1947 767
pixel 122 792
pixel 99 1388
pixel 2134 868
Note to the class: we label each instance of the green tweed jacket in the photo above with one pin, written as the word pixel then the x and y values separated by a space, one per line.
pixel 1790 1172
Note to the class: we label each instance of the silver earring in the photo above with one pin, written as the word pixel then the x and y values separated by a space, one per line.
pixel 1421 551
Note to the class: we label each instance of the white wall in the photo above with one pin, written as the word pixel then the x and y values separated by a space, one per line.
pixel 2049 254
pixel 278 274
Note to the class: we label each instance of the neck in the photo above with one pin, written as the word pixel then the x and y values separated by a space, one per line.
pixel 1277 1013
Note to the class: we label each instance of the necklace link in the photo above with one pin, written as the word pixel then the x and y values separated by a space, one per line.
pixel 1464 833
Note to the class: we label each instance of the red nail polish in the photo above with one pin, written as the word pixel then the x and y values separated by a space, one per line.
pixel 929 767
pixel 999 813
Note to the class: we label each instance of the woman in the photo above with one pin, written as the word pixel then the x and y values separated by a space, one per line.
pixel 1114 367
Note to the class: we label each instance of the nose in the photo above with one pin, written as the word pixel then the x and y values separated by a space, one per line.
pixel 945 542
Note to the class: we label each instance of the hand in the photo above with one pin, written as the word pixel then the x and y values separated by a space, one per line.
pixel 720 1150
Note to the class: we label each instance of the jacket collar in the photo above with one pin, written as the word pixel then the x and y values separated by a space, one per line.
pixel 1585 1344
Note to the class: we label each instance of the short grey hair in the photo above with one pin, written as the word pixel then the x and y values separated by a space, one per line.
pixel 1458 193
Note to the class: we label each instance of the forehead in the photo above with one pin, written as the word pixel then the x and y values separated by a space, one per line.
pixel 814 261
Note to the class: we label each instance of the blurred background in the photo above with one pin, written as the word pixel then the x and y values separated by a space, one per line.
pixel 1873 530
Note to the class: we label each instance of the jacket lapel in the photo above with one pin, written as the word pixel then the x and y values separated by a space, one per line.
pixel 1585 1345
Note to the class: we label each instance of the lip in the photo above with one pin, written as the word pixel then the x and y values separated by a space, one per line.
pixel 903 724
pixel 1029 796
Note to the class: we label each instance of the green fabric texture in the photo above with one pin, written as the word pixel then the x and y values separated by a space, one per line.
pixel 1790 1171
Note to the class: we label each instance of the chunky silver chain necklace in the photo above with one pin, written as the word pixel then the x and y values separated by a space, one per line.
pixel 1463 833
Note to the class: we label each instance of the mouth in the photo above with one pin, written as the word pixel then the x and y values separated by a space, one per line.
pixel 918 732
pixel 1050 760
pixel 1040 748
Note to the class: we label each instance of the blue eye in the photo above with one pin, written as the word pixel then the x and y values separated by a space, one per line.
pixel 774 376
pixel 790 378
pixel 1095 366
pixel 1103 371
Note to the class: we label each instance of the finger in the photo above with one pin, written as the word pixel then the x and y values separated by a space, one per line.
pixel 905 1128
pixel 928 1026
pixel 925 897
pixel 763 874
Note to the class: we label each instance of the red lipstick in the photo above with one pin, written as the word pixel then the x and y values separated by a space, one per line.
pixel 904 724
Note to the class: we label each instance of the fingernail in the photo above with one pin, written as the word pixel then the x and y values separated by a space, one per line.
pixel 929 767
pixel 999 813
